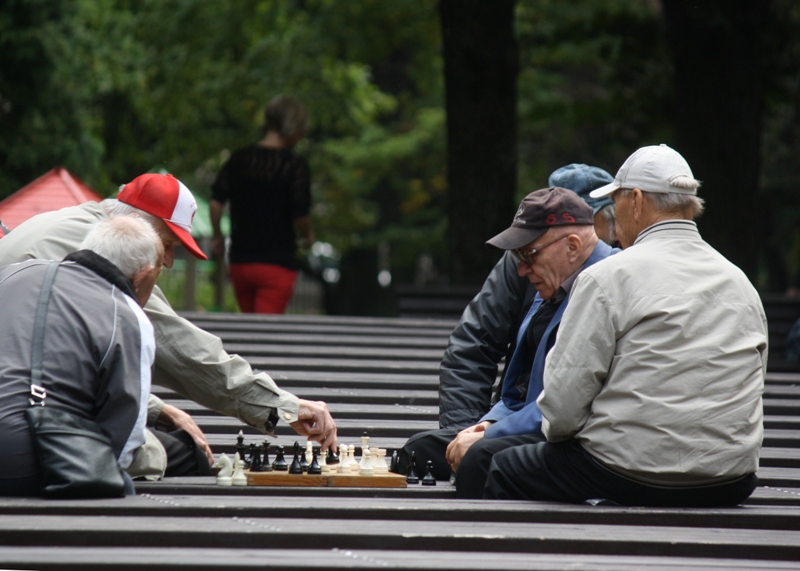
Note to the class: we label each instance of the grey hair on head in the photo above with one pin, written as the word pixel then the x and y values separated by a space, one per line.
pixel 674 202
pixel 129 242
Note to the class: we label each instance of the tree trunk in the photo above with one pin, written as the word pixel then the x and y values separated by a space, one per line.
pixel 717 53
pixel 480 72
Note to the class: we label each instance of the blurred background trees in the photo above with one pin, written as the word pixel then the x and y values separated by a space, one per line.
pixel 116 88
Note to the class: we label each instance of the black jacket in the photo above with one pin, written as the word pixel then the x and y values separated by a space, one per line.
pixel 485 334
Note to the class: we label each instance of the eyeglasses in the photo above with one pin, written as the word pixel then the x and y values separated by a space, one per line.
pixel 527 257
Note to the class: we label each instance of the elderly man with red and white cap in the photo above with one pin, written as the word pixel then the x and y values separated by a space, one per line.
pixel 655 396
pixel 188 360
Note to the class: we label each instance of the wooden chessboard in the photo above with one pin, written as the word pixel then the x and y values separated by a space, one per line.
pixel 330 480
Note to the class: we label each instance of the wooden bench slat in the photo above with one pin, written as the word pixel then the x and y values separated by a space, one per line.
pixel 203 558
pixel 301 532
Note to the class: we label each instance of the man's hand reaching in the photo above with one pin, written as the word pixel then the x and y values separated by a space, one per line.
pixel 315 422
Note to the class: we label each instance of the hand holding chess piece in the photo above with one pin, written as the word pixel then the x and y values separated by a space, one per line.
pixel 315 422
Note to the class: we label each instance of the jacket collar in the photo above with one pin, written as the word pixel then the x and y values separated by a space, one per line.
pixel 669 229
pixel 103 268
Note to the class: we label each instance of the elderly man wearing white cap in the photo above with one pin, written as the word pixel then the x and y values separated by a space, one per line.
pixel 655 397
pixel 188 360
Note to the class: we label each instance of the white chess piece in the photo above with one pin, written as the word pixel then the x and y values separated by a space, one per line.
pixel 309 452
pixel 344 460
pixel 238 478
pixel 351 457
pixel 379 461
pixel 365 468
pixel 323 462
pixel 225 470
pixel 364 443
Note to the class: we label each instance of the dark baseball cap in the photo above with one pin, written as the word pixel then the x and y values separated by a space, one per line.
pixel 540 211
pixel 583 179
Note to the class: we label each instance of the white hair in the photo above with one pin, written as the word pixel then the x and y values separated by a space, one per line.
pixel 674 202
pixel 128 242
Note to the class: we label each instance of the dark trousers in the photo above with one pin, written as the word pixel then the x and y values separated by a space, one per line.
pixel 565 472
pixel 470 478
pixel 184 457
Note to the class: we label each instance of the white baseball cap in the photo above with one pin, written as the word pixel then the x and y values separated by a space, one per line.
pixel 657 168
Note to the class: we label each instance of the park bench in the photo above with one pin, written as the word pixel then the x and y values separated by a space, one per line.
pixel 380 375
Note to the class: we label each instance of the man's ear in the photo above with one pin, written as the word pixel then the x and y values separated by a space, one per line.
pixel 139 276
pixel 574 246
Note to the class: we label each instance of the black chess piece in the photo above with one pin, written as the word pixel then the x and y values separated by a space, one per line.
pixel 303 462
pixel 265 465
pixel 333 457
pixel 296 468
pixel 241 449
pixel 248 463
pixel 411 475
pixel 428 479
pixel 314 467
pixel 280 465
pixel 256 465
pixel 394 465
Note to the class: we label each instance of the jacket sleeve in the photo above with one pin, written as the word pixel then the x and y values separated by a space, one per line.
pixel 479 342
pixel 577 366
pixel 527 420
pixel 193 363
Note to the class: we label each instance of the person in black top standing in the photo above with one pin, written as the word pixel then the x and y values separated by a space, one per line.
pixel 268 189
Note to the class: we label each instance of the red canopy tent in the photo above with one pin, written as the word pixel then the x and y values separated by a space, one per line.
pixel 53 190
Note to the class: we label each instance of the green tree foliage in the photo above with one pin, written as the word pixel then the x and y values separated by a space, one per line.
pixel 114 88
pixel 595 83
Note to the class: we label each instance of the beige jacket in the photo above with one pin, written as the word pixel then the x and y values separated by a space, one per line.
pixel 662 374
pixel 188 360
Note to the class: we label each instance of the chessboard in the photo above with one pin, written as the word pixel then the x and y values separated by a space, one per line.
pixel 330 480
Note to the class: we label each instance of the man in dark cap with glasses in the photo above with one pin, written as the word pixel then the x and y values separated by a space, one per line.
pixel 654 398
pixel 551 239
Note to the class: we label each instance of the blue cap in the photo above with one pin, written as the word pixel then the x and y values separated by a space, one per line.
pixel 582 179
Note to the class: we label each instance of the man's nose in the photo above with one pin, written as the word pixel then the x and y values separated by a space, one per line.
pixel 523 269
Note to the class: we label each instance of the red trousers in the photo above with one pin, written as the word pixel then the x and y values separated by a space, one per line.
pixel 262 288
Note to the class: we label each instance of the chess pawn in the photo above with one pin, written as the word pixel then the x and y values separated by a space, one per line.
pixel 265 465
pixel 428 479
pixel 333 457
pixel 314 467
pixel 365 467
pixel 296 467
pixel 309 452
pixel 238 478
pixel 411 475
pixel 279 464
pixel 323 463
pixel 379 463
pixel 394 467
pixel 351 457
pixel 225 470
pixel 344 465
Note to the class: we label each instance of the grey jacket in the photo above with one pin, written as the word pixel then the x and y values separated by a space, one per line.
pixel 98 349
pixel 189 360
pixel 485 334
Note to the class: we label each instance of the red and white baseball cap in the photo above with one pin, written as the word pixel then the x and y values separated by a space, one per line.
pixel 166 197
